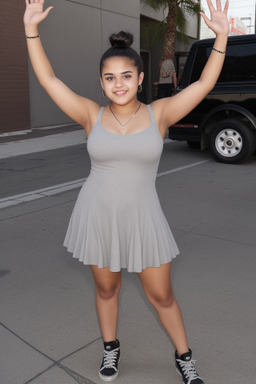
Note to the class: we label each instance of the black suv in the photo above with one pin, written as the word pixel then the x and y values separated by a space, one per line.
pixel 225 121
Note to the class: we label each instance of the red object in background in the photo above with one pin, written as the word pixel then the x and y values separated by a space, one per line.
pixel 233 29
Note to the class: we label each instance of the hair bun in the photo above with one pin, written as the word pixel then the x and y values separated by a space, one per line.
pixel 121 39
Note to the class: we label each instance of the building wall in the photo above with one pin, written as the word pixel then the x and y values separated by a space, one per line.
pixel 149 12
pixel 192 26
pixel 14 91
pixel 75 35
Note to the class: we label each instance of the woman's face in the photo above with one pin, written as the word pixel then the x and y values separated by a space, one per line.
pixel 120 79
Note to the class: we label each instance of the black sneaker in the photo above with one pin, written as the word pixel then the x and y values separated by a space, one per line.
pixel 111 356
pixel 186 368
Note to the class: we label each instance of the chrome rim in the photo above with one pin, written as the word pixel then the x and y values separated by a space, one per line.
pixel 229 143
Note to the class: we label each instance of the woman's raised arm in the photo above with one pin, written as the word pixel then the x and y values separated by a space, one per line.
pixel 170 110
pixel 75 106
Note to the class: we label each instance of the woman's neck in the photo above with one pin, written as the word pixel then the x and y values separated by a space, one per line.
pixel 125 109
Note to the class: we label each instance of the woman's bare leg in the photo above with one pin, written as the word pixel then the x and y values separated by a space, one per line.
pixel 156 283
pixel 108 286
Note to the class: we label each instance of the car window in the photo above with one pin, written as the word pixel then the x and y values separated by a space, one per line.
pixel 239 66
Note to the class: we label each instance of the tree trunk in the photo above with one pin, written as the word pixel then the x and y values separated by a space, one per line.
pixel 171 32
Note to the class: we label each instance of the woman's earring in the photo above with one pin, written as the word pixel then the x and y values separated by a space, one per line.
pixel 140 88
pixel 103 92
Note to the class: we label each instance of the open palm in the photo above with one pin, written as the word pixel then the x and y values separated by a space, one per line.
pixel 34 13
pixel 219 21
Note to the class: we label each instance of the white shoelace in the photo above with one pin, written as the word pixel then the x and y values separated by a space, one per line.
pixel 109 359
pixel 188 369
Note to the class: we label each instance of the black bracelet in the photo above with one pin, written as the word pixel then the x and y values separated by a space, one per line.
pixel 32 37
pixel 216 50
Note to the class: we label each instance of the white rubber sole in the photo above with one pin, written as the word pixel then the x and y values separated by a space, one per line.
pixel 108 379
pixel 111 378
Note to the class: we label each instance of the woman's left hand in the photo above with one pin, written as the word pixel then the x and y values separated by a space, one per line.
pixel 219 22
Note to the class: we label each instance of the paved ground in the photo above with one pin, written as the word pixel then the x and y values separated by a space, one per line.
pixel 48 328
pixel 40 140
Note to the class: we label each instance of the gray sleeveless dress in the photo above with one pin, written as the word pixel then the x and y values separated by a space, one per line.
pixel 117 221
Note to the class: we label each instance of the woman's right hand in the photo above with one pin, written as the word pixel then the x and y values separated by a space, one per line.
pixel 34 13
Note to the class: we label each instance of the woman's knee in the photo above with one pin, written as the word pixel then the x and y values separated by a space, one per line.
pixel 164 298
pixel 107 291
pixel 107 283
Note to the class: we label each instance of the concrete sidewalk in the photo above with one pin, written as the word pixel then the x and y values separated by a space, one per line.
pixel 41 140
pixel 49 332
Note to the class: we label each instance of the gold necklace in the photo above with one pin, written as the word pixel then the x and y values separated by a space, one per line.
pixel 132 116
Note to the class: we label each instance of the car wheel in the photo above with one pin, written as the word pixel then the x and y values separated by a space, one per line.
pixel 231 141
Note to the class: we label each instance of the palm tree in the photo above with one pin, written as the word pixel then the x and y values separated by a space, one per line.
pixel 176 17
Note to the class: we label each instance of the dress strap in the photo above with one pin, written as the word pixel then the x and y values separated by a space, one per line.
pixel 151 114
pixel 98 121
pixel 100 115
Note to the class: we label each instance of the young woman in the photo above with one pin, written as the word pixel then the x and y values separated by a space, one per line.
pixel 117 221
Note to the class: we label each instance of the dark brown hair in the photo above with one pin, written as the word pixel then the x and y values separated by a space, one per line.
pixel 121 47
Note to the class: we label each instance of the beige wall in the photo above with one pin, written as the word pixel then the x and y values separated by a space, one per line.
pixel 75 35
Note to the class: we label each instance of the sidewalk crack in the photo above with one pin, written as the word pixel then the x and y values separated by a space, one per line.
pixel 56 363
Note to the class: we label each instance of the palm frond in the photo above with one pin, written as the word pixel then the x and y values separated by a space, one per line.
pixel 156 4
pixel 189 6
pixel 152 33
pixel 181 20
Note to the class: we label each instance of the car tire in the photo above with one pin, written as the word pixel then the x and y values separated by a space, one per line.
pixel 232 141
